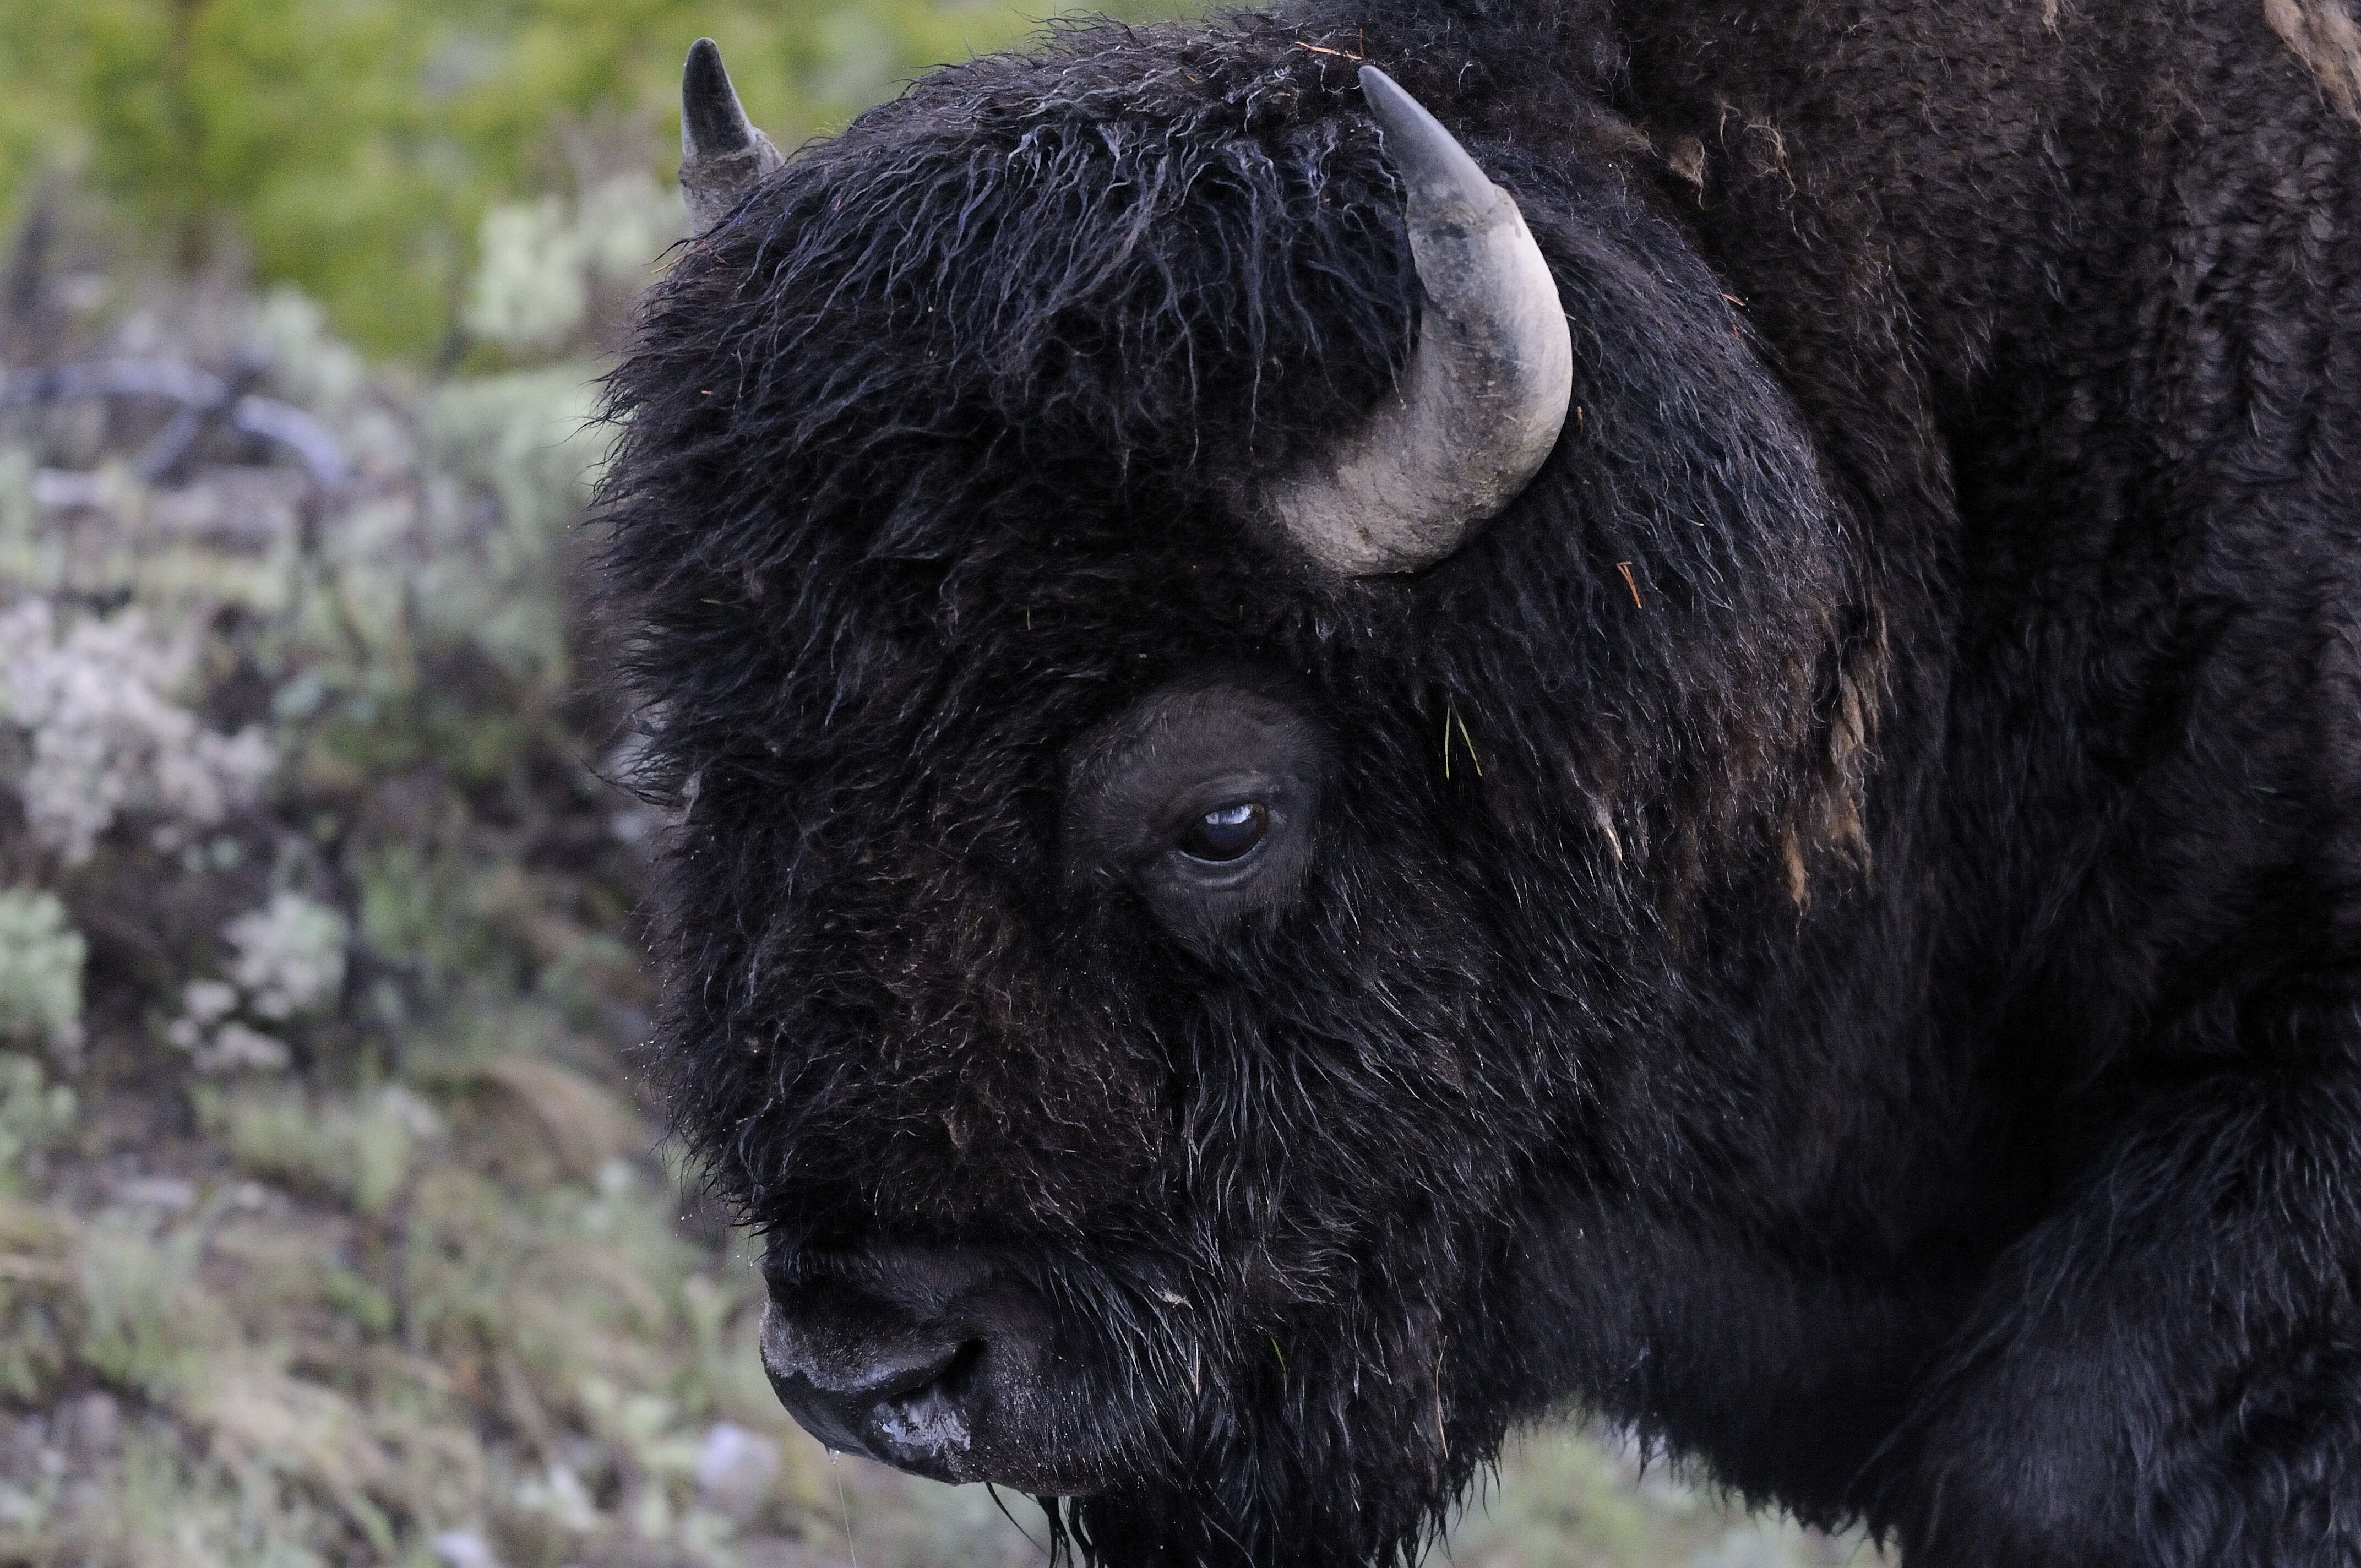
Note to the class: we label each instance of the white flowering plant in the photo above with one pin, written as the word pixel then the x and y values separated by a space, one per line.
pixel 288 964
pixel 94 702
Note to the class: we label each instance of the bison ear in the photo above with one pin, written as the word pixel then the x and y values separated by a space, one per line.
pixel 1478 407
pixel 721 154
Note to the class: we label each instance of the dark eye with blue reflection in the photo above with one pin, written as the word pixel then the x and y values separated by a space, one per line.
pixel 1225 833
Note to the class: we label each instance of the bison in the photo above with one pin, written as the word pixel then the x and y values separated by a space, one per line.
pixel 1383 716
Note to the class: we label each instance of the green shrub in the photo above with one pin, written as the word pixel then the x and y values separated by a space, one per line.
pixel 35 1114
pixel 40 973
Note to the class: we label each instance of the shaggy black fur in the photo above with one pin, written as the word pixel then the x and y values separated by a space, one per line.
pixel 1883 1019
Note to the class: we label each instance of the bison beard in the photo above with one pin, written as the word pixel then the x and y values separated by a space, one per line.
pixel 1820 933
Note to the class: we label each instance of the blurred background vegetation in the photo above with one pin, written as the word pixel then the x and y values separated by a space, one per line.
pixel 353 148
pixel 333 1225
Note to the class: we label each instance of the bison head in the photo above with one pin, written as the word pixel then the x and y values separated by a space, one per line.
pixel 1173 929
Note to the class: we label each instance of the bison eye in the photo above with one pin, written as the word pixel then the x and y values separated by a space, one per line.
pixel 1226 833
pixel 1202 799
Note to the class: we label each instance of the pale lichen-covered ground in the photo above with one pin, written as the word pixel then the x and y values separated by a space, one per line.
pixel 333 1226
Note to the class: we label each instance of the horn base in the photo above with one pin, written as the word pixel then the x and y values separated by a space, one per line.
pixel 710 185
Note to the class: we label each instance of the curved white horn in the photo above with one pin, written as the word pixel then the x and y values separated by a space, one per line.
pixel 721 153
pixel 1478 407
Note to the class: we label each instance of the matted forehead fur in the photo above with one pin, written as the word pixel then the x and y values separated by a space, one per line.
pixel 940 451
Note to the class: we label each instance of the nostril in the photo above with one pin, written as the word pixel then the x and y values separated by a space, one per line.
pixel 902 1382
pixel 962 1365
pixel 949 1378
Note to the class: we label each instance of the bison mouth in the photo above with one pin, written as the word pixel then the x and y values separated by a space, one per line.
pixel 1096 1380
pixel 934 1362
